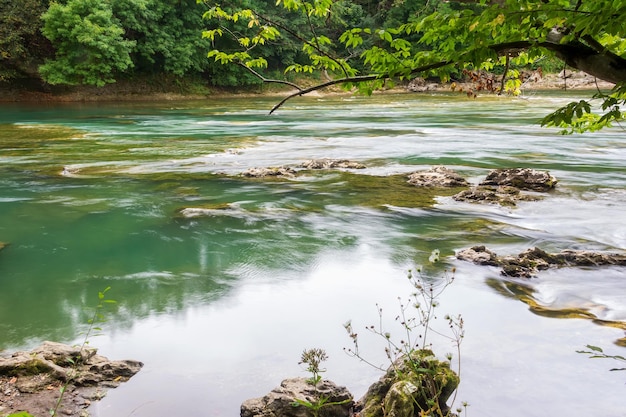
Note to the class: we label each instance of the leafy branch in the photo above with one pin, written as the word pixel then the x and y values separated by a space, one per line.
pixel 447 41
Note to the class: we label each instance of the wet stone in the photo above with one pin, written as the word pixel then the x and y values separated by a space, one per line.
pixel 437 176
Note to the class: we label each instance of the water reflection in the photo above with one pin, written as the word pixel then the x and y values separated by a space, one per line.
pixel 221 281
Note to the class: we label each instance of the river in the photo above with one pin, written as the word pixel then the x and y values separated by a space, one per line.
pixel 220 306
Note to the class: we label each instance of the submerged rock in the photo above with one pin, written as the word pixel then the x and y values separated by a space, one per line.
pixel 528 263
pixel 206 210
pixel 502 195
pixel 415 385
pixel 437 176
pixel 521 178
pixel 282 171
pixel 3 245
pixel 325 163
pixel 281 401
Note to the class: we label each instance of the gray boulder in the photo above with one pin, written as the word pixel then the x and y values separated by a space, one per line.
pixel 502 195
pixel 57 361
pixel 521 178
pixel 282 171
pixel 326 163
pixel 287 400
pixel 528 263
pixel 32 380
pixel 437 176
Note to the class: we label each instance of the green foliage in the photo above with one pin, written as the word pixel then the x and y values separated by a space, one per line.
pixel 89 42
pixel 578 117
pixel 436 38
pixel 317 405
pixel 21 43
pixel 21 414
pixel 166 35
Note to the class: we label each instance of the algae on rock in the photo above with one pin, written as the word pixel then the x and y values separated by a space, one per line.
pixel 414 385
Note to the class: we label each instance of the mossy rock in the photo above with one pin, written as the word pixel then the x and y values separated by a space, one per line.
pixel 33 366
pixel 416 384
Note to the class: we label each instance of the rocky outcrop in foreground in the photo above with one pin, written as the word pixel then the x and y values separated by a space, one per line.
pixel 528 263
pixel 30 381
pixel 282 400
pixel 412 386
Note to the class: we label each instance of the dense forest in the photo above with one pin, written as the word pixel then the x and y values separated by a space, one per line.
pixel 95 42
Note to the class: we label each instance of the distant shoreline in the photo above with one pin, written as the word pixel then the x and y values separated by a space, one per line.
pixel 128 91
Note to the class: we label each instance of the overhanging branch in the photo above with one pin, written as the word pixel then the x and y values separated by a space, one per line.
pixel 603 65
pixel 357 79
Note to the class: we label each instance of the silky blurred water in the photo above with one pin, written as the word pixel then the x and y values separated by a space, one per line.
pixel 221 281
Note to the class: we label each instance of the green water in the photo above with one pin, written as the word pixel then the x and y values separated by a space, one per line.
pixel 219 305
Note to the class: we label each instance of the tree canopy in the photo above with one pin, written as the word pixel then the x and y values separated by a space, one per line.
pixel 434 38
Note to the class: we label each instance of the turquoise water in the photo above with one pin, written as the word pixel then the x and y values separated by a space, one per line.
pixel 222 281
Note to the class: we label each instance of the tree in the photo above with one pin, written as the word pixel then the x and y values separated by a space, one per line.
pixel 167 34
pixel 444 39
pixel 22 47
pixel 89 42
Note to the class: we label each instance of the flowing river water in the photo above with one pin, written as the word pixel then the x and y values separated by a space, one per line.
pixel 219 302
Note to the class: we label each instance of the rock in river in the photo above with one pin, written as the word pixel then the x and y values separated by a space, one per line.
pixel 414 385
pixel 282 171
pixel 503 195
pixel 326 163
pixel 282 400
pixel 521 178
pixel 528 263
pixel 504 186
pixel 437 176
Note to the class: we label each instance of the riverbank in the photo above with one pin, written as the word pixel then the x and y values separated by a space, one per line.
pixel 176 89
